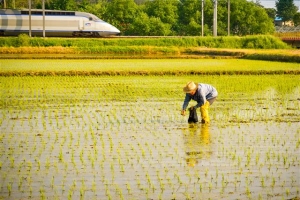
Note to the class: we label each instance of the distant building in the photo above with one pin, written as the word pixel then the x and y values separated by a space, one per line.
pixel 278 22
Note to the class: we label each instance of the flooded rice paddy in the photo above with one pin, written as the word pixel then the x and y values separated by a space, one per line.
pixel 124 138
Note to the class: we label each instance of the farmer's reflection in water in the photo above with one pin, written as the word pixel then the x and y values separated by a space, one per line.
pixel 197 143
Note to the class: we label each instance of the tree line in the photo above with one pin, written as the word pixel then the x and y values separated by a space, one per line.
pixel 176 17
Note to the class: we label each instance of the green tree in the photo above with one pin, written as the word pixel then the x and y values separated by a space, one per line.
pixel 58 5
pixel 140 25
pixel 247 18
pixel 258 2
pixel 208 16
pixel 189 17
pixel 140 1
pixel 97 9
pixel 158 27
pixel 121 13
pixel 192 28
pixel 296 19
pixel 165 10
pixel 190 12
pixel 286 9
pixel 222 18
pixel 169 17
pixel 144 25
pixel 271 12
pixel 14 4
pixel 83 5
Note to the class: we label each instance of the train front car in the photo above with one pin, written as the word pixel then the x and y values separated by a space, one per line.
pixel 97 27
pixel 57 23
pixel 105 29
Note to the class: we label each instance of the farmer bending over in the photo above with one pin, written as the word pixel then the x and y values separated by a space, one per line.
pixel 204 94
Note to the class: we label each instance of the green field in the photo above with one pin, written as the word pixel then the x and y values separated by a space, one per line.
pixel 145 66
pixel 122 136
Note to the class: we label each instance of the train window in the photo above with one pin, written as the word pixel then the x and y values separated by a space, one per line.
pixel 25 12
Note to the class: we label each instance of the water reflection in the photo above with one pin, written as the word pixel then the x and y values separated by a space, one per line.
pixel 197 143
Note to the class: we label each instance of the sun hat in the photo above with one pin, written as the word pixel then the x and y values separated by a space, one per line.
pixel 190 86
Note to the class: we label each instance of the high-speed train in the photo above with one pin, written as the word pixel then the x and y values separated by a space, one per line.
pixel 57 23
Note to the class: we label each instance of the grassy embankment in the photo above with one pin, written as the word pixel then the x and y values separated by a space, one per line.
pixel 248 47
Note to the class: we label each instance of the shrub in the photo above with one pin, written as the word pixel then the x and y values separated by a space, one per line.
pixel 23 40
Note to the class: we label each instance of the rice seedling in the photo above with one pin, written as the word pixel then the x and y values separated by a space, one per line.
pixel 124 137
pixel 9 188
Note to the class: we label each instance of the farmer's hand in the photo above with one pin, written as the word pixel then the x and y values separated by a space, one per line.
pixel 183 112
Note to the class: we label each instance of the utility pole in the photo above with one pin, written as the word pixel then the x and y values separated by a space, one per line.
pixel 215 26
pixel 29 7
pixel 228 28
pixel 44 34
pixel 202 18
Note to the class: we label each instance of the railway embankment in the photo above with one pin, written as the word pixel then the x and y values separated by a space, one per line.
pixel 249 47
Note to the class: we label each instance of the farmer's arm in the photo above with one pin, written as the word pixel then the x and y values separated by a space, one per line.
pixel 186 101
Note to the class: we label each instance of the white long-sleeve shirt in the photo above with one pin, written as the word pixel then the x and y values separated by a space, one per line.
pixel 204 92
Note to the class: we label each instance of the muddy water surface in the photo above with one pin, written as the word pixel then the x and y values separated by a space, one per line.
pixel 143 149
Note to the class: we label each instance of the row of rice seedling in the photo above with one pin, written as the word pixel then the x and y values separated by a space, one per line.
pixel 147 73
pixel 148 52
pixel 139 66
pixel 82 90
pixel 121 137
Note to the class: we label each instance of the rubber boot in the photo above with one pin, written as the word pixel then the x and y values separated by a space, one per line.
pixel 204 113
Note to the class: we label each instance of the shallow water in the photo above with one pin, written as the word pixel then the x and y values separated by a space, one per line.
pixel 103 153
pixel 60 145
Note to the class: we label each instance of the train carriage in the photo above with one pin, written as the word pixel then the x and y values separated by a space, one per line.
pixel 57 23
